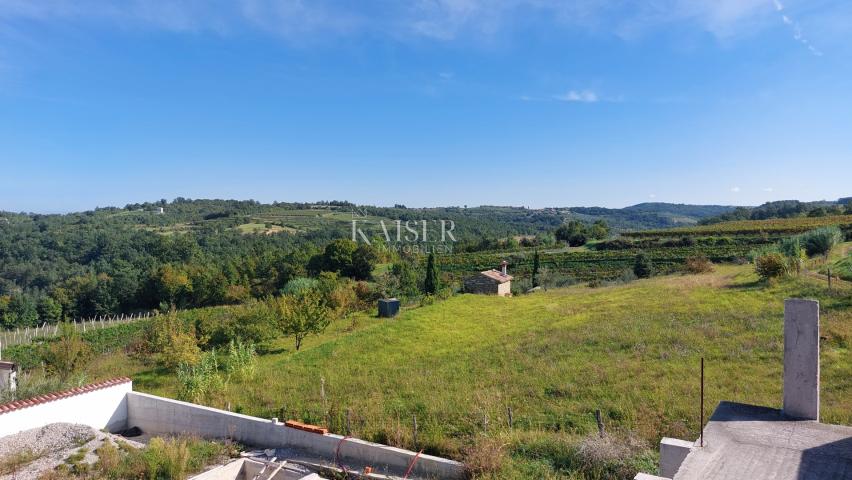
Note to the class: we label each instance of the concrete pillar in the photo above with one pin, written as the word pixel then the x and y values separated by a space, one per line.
pixel 672 454
pixel 801 359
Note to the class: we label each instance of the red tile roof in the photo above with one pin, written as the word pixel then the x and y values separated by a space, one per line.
pixel 496 276
pixel 51 397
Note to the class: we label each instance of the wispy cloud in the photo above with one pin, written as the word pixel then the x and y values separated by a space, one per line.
pixel 797 29
pixel 438 20
pixel 768 189
pixel 735 189
pixel 582 96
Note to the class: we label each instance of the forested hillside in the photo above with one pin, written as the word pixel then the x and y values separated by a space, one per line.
pixel 194 253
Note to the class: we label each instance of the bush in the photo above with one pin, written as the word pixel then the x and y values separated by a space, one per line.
pixel 241 361
pixel 770 265
pixel 200 382
pixel 698 263
pixel 821 240
pixel 66 354
pixel 162 459
pixel 300 285
pixel 792 249
pixel 170 341
pixel 484 457
pixel 642 266
pixel 251 323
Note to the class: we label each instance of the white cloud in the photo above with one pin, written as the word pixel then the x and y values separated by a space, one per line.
pixel 797 29
pixel 583 96
pixel 652 195
pixel 735 189
pixel 768 189
pixel 442 20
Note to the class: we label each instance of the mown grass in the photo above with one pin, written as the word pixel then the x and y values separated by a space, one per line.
pixel 554 357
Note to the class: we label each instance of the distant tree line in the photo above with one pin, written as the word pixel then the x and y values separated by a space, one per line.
pixel 784 209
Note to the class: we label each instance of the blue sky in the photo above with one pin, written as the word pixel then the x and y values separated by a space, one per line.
pixel 426 102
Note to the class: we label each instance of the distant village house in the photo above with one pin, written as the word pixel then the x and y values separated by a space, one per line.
pixel 490 282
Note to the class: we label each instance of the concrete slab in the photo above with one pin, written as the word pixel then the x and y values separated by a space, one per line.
pixel 759 443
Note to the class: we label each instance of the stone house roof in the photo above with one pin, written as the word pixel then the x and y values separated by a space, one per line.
pixel 497 276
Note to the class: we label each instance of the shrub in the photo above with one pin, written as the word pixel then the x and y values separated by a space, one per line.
pixel 770 265
pixel 698 263
pixel 161 459
pixel 200 382
pixel 821 240
pixel 251 323
pixel 241 361
pixel 792 249
pixel 609 456
pixel 484 457
pixel 66 354
pixel 170 341
pixel 642 266
pixel 300 285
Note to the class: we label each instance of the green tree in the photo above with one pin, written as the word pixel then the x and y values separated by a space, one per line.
pixel 535 269
pixel 599 230
pixel 574 233
pixel 337 256
pixel 49 310
pixel 643 267
pixel 302 315
pixel 363 260
pixel 430 285
pixel 172 285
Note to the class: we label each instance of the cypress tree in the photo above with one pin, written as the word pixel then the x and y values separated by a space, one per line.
pixel 430 286
pixel 535 268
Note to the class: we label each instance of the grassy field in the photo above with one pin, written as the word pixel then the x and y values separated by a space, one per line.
pixel 554 357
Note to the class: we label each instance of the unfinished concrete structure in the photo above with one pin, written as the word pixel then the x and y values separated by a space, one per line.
pixel 760 443
pixel 114 406
pixel 8 376
pixel 490 282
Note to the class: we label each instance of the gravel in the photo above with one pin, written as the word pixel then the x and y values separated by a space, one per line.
pixel 52 444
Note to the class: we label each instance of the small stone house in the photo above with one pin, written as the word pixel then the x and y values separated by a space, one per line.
pixel 490 282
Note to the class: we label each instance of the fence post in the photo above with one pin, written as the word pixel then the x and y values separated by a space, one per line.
pixel 415 431
pixel 509 412
pixel 599 420
pixel 348 423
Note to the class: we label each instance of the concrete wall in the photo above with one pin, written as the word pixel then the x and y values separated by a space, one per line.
pixel 801 359
pixel 104 408
pixel 161 415
pixel 504 289
pixel 672 454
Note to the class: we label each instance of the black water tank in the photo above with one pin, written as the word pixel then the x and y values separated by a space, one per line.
pixel 388 307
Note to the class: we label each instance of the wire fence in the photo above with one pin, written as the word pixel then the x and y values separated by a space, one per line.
pixel 26 335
